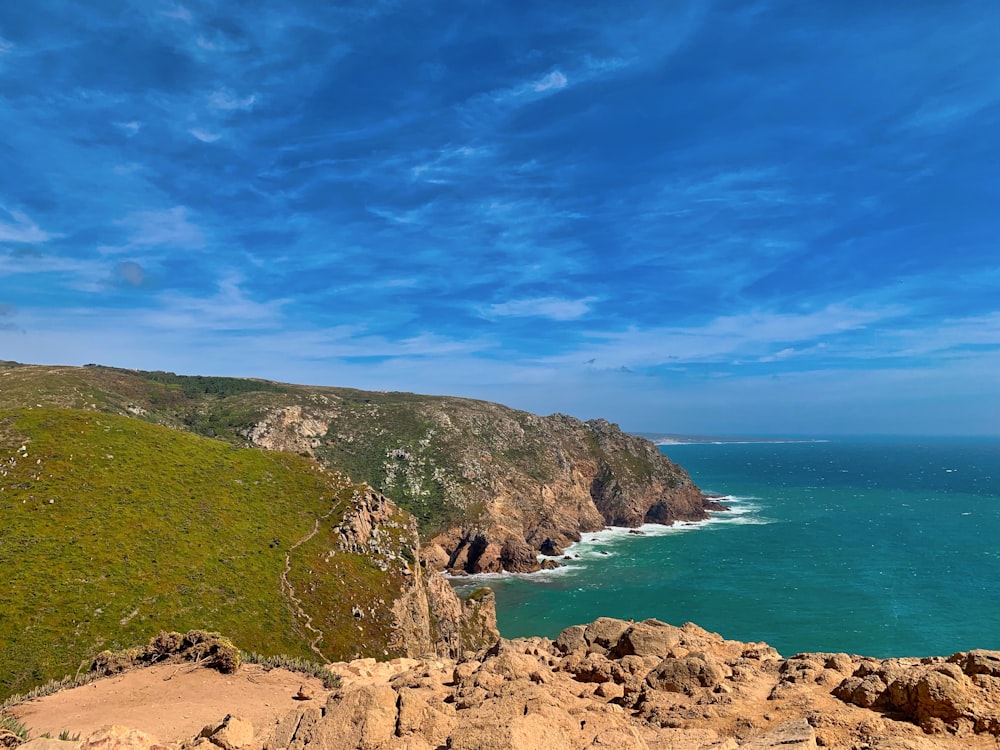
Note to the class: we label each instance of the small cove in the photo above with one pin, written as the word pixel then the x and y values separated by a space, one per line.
pixel 878 547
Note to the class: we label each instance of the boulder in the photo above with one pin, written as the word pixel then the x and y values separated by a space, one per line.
pixel 792 735
pixel 940 692
pixel 687 675
pixel 605 631
pixel 979 662
pixel 572 639
pixel 647 638
pixel 233 733
pixel 120 738
pixel 361 719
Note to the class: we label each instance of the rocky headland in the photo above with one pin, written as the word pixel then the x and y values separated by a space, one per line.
pixel 314 524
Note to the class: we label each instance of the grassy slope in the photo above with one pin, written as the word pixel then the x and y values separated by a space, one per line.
pixel 114 528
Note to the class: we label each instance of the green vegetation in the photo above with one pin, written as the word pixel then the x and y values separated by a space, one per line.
pixel 194 386
pixel 15 727
pixel 293 664
pixel 115 529
pixel 392 442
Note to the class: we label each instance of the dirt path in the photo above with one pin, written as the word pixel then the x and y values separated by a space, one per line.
pixel 170 703
pixel 288 590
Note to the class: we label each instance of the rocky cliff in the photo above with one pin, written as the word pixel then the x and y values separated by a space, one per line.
pixel 493 486
pixel 490 486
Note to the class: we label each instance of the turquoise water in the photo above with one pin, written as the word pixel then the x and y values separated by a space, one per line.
pixel 883 548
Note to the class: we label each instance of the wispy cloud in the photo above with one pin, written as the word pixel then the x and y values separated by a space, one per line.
pixel 228 101
pixel 178 12
pixel 163 228
pixel 541 307
pixel 205 136
pixel 18 228
pixel 229 309
pixel 762 335
pixel 553 81
pixel 130 128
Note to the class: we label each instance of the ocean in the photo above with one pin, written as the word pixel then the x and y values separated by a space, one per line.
pixel 873 547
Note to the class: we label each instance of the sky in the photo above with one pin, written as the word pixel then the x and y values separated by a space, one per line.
pixel 733 218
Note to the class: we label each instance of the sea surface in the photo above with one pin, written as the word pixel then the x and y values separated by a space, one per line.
pixel 874 547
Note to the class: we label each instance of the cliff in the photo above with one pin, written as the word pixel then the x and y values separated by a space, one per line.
pixel 493 486
pixel 490 486
pixel 115 529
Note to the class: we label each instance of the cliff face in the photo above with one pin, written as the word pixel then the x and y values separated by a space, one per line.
pixel 493 486
pixel 427 618
pixel 490 486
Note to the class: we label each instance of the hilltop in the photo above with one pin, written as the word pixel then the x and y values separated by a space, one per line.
pixel 294 519
pixel 491 486
pixel 115 528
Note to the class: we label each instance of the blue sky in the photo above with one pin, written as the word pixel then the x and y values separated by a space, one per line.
pixel 706 217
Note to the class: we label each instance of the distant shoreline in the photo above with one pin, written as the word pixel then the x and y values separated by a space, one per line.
pixel 661 439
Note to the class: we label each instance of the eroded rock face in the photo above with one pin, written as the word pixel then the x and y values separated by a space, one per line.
pixel 494 486
pixel 291 428
pixel 960 694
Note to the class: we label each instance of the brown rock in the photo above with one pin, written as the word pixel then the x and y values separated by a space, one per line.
pixel 981 662
pixel 39 743
pixel 362 719
pixel 647 638
pixel 687 675
pixel 233 733
pixel 941 692
pixel 605 631
pixel 572 639
pixel 793 735
pixel 120 738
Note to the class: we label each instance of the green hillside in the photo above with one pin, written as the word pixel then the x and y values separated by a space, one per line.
pixel 115 528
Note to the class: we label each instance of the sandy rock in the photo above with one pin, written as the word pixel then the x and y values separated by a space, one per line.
pixel 687 675
pixel 647 638
pixel 39 743
pixel 979 662
pixel 233 733
pixel 941 692
pixel 572 639
pixel 605 631
pixel 120 738
pixel 794 735
pixel 362 719
pixel 291 729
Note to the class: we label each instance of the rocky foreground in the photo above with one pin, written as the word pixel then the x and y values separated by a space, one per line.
pixel 612 684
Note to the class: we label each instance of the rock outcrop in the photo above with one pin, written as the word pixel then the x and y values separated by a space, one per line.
pixel 428 617
pixel 648 684
pixel 620 684
pixel 492 487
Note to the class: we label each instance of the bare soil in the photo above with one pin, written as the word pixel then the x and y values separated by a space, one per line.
pixel 171 702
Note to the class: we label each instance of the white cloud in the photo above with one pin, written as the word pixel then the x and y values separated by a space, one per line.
pixel 22 229
pixel 228 101
pixel 169 227
pixel 130 128
pixel 227 310
pixel 555 308
pixel 553 81
pixel 5 46
pixel 205 136
pixel 755 335
pixel 178 12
